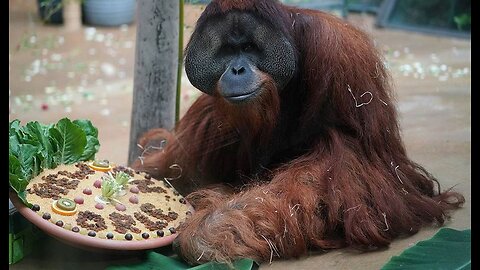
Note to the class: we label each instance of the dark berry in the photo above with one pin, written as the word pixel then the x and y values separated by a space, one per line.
pixel 145 235
pixel 59 223
pixel 182 200
pixel 91 233
pixel 75 229
pixel 128 236
pixel 160 233
pixel 46 216
pixel 110 235
pixel 35 207
pixel 172 230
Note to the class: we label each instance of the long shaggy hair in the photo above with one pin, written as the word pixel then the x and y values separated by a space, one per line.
pixel 319 164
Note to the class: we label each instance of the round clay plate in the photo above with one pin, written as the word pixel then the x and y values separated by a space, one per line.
pixel 85 241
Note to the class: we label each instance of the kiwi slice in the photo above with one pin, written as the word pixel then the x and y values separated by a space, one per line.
pixel 66 204
pixel 101 163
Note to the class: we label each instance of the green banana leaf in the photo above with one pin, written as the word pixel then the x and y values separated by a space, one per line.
pixel 448 249
pixel 158 261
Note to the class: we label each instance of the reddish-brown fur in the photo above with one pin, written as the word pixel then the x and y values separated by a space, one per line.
pixel 334 174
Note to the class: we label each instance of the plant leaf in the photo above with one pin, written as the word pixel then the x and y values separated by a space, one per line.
pixel 35 146
pixel 14 165
pixel 14 125
pixel 70 140
pixel 87 126
pixel 25 157
pixel 40 134
pixel 18 184
pixel 22 195
pixel 158 261
pixel 448 249
pixel 92 146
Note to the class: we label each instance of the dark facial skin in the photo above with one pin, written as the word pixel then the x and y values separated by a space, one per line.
pixel 229 51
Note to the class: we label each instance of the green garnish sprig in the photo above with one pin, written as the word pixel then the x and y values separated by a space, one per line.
pixel 109 188
pixel 122 179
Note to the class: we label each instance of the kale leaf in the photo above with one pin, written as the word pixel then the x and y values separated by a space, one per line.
pixel 35 147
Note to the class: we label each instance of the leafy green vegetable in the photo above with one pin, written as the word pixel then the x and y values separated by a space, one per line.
pixel 71 141
pixel 92 146
pixel 448 249
pixel 23 161
pixel 156 260
pixel 35 147
pixel 40 134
